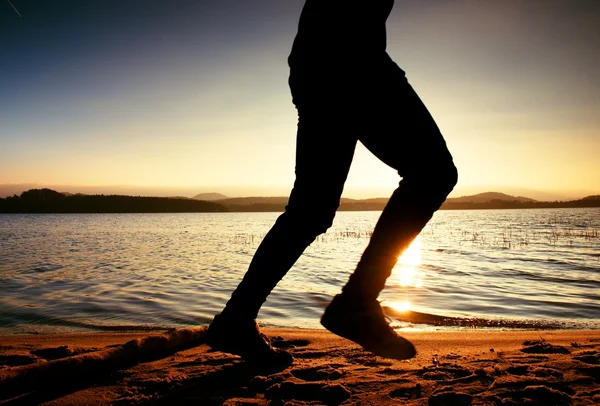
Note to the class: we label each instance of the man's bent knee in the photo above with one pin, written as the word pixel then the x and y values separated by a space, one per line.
pixel 434 185
pixel 308 223
pixel 441 182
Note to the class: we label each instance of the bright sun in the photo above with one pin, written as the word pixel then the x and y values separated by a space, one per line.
pixel 406 272
pixel 407 266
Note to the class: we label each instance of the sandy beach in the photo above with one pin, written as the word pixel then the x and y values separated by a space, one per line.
pixel 476 367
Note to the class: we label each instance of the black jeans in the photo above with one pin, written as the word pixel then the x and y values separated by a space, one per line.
pixel 392 122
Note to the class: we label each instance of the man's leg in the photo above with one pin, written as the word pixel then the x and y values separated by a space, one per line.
pixel 402 134
pixel 407 139
pixel 323 156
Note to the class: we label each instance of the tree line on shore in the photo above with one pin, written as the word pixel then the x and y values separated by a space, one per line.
pixel 50 201
pixel 379 204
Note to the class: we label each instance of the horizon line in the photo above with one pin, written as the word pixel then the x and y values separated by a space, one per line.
pixel 457 194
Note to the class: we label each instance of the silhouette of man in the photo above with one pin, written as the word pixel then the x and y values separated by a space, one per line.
pixel 346 89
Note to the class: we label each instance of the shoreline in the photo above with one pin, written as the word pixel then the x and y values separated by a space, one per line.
pixel 411 321
pixel 174 367
pixel 279 210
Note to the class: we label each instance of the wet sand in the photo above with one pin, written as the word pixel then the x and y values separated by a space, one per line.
pixel 479 367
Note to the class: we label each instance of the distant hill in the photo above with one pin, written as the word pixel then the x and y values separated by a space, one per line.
pixel 489 200
pixel 488 197
pixel 50 201
pixel 513 203
pixel 209 196
pixel 254 204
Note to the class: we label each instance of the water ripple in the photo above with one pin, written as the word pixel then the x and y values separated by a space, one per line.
pixel 148 271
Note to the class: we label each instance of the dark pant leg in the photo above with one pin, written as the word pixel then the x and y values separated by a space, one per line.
pixel 324 153
pixel 403 135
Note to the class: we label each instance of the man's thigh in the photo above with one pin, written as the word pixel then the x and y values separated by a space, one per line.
pixel 402 133
pixel 325 146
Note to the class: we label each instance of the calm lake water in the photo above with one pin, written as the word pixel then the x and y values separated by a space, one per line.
pixel 70 272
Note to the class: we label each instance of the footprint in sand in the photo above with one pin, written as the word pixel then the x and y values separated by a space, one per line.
pixel 392 371
pixel 373 362
pixel 16 360
pixel 259 384
pixel 317 374
pixel 450 399
pixel 279 342
pixel 588 357
pixel 310 354
pixel 518 384
pixel 542 347
pixel 533 394
pixel 367 359
pixel 63 351
pixel 208 361
pixel 526 359
pixel 406 391
pixel 540 372
pixel 445 372
pixel 592 372
pixel 518 370
pixel 328 394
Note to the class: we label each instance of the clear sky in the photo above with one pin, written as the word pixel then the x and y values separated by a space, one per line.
pixel 192 95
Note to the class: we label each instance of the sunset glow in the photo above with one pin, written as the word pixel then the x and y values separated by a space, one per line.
pixel 406 271
pixel 194 98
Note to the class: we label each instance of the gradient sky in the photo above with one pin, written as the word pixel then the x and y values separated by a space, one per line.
pixel 193 94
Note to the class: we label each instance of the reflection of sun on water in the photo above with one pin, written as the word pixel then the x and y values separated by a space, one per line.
pixel 400 306
pixel 412 255
pixel 406 271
